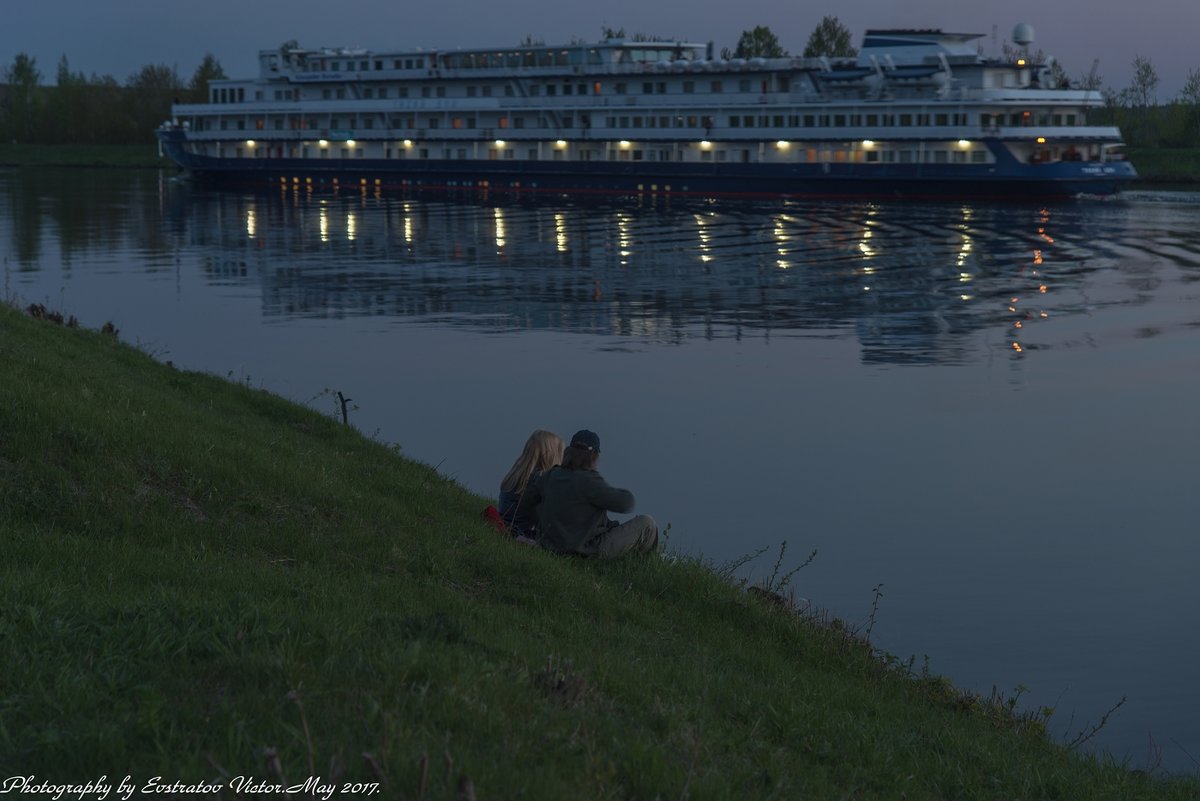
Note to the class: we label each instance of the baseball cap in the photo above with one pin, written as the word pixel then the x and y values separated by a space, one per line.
pixel 588 440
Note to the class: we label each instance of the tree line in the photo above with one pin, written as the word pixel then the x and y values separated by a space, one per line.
pixel 97 109
pixel 1143 120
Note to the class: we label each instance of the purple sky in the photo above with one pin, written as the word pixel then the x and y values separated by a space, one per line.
pixel 119 36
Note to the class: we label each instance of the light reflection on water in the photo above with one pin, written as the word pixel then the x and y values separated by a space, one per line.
pixel 918 284
pixel 989 409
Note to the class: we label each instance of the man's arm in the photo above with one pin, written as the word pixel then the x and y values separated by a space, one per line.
pixel 602 494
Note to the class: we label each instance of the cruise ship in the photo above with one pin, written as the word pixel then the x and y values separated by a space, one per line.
pixel 917 114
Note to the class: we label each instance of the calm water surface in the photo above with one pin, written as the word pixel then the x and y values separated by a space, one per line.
pixel 989 410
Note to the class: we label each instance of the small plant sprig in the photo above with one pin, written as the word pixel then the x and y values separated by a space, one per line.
pixel 878 590
pixel 727 570
pixel 1090 732
pixel 342 405
pixel 778 586
pixel 775 584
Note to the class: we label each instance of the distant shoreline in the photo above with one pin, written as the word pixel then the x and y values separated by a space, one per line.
pixel 124 156
pixel 1156 166
pixel 1165 165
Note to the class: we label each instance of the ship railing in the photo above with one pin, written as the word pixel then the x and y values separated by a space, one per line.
pixel 1060 133
pixel 674 102
pixel 698 68
pixel 686 134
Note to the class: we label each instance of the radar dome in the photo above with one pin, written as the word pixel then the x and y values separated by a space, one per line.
pixel 1023 34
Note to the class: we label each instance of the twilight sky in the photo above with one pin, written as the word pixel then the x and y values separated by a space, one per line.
pixel 119 36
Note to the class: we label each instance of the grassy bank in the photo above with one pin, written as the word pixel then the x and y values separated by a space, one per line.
pixel 1157 165
pixel 81 156
pixel 203 581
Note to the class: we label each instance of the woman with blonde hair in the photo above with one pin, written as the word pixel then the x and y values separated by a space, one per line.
pixel 543 450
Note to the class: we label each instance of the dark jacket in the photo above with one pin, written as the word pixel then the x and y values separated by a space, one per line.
pixel 522 522
pixel 572 508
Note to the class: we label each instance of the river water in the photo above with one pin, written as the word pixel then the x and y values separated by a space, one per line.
pixel 989 410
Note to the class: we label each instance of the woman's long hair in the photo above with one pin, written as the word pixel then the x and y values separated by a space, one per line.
pixel 542 451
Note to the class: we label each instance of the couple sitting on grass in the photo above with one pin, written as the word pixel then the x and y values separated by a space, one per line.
pixel 564 507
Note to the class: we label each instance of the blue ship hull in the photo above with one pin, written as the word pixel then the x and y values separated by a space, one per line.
pixel 1007 179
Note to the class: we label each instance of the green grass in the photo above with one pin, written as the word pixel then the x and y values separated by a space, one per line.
pixel 14 155
pixel 1166 165
pixel 198 574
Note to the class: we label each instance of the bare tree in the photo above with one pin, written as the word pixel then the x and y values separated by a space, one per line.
pixel 1091 81
pixel 1137 103
pixel 1142 89
pixel 1189 98
pixel 1190 94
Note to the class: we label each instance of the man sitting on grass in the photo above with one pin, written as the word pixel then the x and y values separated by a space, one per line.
pixel 573 502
